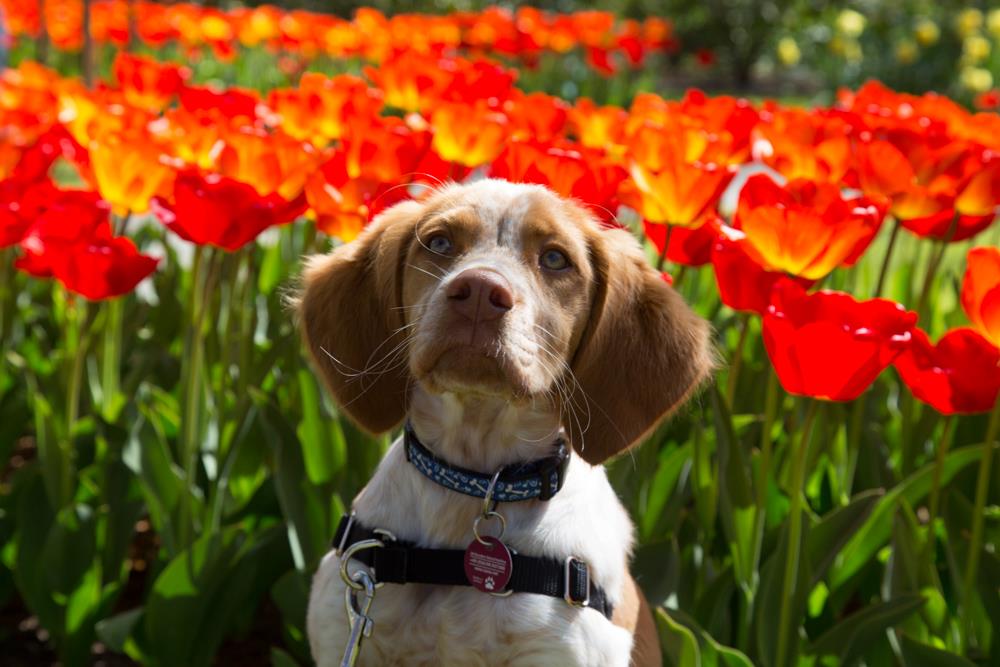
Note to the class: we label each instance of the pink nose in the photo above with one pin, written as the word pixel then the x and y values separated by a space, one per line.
pixel 480 295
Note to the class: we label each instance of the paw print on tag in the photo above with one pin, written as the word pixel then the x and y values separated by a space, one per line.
pixel 489 583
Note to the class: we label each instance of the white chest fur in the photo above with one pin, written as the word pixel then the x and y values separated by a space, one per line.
pixel 437 625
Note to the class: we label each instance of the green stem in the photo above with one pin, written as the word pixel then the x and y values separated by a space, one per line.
pixel 734 370
pixel 8 296
pixel 934 264
pixel 909 449
pixel 975 544
pixel 789 592
pixel 190 428
pixel 947 432
pixel 77 342
pixel 760 488
pixel 883 272
pixel 854 443
pixel 111 359
pixel 666 246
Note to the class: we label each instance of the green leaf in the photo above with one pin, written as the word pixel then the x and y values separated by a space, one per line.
pixel 280 658
pixel 680 647
pixel 713 654
pixel 769 595
pixel 663 484
pixel 304 509
pixel 318 449
pixel 208 590
pixel 115 630
pixel 69 549
pixel 833 531
pixel 736 494
pixel 849 638
pixel 877 529
pixel 917 654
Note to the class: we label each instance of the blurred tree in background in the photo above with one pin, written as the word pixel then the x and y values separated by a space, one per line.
pixel 774 47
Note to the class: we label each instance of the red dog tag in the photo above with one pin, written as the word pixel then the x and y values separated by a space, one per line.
pixel 488 566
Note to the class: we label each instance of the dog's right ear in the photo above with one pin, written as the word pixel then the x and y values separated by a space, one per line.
pixel 350 313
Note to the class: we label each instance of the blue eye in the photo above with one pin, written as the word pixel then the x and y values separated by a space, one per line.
pixel 440 245
pixel 554 260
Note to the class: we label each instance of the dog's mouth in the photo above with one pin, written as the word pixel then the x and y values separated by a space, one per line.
pixel 473 367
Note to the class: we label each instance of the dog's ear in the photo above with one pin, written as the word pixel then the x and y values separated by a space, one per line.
pixel 350 315
pixel 643 352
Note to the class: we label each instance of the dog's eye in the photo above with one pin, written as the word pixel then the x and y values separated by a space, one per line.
pixel 554 260
pixel 439 244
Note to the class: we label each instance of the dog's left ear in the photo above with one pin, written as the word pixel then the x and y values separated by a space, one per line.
pixel 643 352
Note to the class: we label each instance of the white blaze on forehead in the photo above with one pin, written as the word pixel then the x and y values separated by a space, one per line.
pixel 502 207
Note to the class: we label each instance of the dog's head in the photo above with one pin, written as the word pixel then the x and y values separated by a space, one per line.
pixel 493 288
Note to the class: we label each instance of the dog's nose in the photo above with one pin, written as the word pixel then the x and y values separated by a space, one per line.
pixel 480 295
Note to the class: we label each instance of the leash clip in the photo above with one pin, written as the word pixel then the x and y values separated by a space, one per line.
pixel 358 618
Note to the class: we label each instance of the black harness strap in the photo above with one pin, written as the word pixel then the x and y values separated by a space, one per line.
pixel 401 562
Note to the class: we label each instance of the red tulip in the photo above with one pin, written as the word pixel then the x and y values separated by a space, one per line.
pixel 961 374
pixel 981 291
pixel 21 203
pixel 231 103
pixel 689 246
pixel 219 211
pixel 70 239
pixel 830 346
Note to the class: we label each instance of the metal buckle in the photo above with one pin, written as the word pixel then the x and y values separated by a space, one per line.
pixel 347 533
pixel 568 573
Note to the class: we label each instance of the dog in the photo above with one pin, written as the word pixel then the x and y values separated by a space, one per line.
pixel 506 326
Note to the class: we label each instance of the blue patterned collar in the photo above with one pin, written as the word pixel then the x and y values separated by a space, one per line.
pixel 539 479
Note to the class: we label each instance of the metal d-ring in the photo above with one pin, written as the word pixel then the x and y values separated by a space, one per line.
pixel 488 503
pixel 348 554
pixel 489 515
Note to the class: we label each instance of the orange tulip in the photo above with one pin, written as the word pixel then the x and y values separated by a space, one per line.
pixel 925 174
pixel 671 183
pixel 410 81
pixel 342 205
pixel 981 291
pixel 192 138
pixel 814 145
pixel 146 83
pixel 470 135
pixel 537 116
pixel 716 129
pixel 679 194
pixel 598 127
pixel 806 228
pixel 129 168
pixel 320 108
pixel 272 162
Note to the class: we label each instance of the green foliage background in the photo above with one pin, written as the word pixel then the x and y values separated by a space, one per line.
pixel 103 540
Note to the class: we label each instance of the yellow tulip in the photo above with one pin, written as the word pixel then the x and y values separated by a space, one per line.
pixel 851 23
pixel 976 79
pixel 968 22
pixel 927 32
pixel 788 51
pixel 907 51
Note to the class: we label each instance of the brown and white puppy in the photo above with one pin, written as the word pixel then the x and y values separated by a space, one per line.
pixel 496 317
